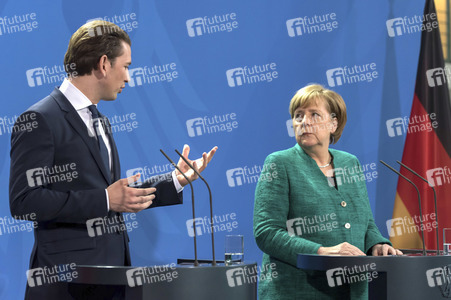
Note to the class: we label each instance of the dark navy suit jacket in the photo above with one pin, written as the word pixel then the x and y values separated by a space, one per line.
pixel 62 207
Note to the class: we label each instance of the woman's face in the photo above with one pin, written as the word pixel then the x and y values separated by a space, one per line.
pixel 313 125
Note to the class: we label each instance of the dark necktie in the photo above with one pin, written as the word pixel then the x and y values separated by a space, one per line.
pixel 97 121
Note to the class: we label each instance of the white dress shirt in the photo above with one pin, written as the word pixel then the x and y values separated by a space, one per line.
pixel 81 103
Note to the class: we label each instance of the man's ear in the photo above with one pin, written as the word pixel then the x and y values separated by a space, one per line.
pixel 103 65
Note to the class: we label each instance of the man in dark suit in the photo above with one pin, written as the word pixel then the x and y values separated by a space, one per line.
pixel 66 171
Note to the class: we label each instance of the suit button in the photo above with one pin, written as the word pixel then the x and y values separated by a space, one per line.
pixel 343 203
pixel 347 225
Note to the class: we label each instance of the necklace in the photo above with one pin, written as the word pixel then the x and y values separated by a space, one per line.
pixel 325 166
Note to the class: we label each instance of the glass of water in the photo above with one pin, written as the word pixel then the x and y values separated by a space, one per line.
pixel 447 241
pixel 234 249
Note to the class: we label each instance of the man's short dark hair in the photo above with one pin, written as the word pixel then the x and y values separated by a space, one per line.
pixel 90 42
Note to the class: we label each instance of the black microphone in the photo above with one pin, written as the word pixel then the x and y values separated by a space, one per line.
pixel 419 201
pixel 211 205
pixel 196 263
pixel 435 200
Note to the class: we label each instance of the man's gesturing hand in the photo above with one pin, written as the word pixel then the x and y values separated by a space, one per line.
pixel 126 199
pixel 199 164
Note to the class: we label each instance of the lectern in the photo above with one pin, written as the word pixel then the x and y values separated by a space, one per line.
pixel 207 282
pixel 410 276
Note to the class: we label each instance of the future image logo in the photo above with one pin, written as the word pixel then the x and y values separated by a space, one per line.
pixel 210 25
pixel 26 122
pixel 135 277
pixel 311 24
pixel 48 275
pixel 411 225
pixel 417 123
pixel 195 225
pixel 35 277
pixel 438 76
pixel 133 172
pixel 439 176
pixel 50 74
pixel 347 275
pixel 211 124
pixel 108 225
pixel 312 224
pixel 251 74
pixel 95 227
pixel 153 74
pixel 136 77
pixel 351 175
pixel 437 276
pixel 47 175
pixel 35 77
pixel 235 177
pixel 10 225
pixel 18 23
pixel 148 275
pixel 352 74
pixel 395 127
pixel 195 27
pixel 153 174
pixel 415 24
pixel 248 175
pixel 235 77
pixel 248 275
pixel 199 226
pixel 394 27
pixel 235 277
pixel 126 22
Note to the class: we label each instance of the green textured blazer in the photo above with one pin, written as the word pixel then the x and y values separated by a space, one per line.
pixel 292 187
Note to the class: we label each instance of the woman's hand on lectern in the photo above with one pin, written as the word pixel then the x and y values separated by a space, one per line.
pixel 384 249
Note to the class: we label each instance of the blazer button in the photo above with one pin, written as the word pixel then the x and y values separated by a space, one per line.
pixel 343 203
pixel 347 225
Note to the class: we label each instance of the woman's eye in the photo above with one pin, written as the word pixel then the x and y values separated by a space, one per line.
pixel 317 117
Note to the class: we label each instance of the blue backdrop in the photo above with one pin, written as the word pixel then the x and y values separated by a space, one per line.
pixel 208 73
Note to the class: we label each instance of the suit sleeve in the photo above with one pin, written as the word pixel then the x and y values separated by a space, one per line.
pixel 270 217
pixel 31 152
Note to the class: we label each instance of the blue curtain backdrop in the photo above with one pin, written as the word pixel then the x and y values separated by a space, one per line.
pixel 208 73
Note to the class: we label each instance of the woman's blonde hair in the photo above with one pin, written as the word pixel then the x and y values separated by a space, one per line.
pixel 334 103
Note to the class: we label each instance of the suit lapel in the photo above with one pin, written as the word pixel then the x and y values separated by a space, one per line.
pixel 79 126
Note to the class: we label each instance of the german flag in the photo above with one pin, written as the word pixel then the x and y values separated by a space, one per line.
pixel 427 149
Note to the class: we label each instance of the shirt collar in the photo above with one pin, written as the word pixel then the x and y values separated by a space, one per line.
pixel 74 95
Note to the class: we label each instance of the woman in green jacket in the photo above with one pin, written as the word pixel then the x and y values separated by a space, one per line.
pixel 315 203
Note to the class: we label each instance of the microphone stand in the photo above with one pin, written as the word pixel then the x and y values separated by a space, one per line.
pixel 419 201
pixel 211 205
pixel 196 263
pixel 435 200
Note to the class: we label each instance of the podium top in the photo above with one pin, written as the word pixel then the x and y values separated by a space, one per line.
pixel 116 275
pixel 381 263
pixel 403 277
